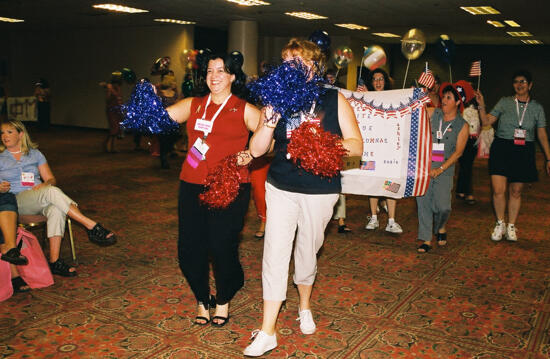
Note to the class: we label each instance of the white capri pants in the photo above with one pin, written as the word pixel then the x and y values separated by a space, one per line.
pixel 290 215
pixel 48 201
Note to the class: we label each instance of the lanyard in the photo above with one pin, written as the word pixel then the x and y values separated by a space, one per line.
pixel 207 132
pixel 520 119
pixel 439 133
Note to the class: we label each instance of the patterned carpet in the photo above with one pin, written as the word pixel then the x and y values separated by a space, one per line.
pixel 375 297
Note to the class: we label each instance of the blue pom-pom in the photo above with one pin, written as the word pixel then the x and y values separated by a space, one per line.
pixel 289 88
pixel 144 112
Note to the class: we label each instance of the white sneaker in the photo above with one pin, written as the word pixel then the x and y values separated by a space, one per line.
pixel 261 344
pixel 373 223
pixel 394 228
pixel 511 233
pixel 307 325
pixel 499 230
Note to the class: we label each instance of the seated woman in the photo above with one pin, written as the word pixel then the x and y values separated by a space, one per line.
pixel 32 182
pixel 8 225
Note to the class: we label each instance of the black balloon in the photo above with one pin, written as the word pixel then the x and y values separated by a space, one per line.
pixel 161 66
pixel 237 58
pixel 446 49
pixel 128 75
pixel 321 39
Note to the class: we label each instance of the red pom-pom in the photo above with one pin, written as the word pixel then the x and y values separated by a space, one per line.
pixel 317 151
pixel 222 184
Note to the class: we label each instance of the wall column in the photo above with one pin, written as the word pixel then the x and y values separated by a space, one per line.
pixel 243 37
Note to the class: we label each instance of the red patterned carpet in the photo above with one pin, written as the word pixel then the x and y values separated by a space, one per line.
pixel 375 297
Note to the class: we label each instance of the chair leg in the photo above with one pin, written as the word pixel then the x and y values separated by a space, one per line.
pixel 73 251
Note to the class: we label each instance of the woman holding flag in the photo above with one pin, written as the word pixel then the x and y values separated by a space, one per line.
pixel 512 160
pixel 449 136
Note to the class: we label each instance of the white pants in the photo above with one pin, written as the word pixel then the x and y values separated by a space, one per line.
pixel 48 201
pixel 290 215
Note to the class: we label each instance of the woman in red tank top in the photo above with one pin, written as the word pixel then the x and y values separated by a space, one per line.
pixel 218 125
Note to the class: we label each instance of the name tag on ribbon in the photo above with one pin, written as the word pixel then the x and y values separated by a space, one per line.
pixel 519 136
pixel 197 153
pixel 27 179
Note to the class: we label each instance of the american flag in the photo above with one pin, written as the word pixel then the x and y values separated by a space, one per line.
pixel 427 79
pixel 420 156
pixel 475 70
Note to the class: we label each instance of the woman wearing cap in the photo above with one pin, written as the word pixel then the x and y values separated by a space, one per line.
pixel 378 80
pixel 299 204
pixel 512 159
pixel 449 137
pixel 464 187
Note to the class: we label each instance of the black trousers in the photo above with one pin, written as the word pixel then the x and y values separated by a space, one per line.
pixel 465 171
pixel 210 233
pixel 43 114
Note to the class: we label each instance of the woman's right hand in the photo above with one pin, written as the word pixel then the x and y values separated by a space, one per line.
pixel 479 98
pixel 270 117
pixel 4 186
pixel 362 88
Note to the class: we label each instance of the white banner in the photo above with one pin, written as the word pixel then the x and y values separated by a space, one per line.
pixel 22 108
pixel 396 144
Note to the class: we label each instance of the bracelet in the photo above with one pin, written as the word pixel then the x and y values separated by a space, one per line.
pixel 442 169
pixel 268 126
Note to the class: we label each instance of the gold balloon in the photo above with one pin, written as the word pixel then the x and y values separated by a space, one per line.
pixel 413 44
pixel 342 56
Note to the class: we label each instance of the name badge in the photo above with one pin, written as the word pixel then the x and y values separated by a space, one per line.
pixel 439 135
pixel 438 152
pixel 197 153
pixel 519 136
pixel 27 179
pixel 203 126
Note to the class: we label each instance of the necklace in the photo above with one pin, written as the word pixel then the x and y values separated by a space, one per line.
pixel 15 152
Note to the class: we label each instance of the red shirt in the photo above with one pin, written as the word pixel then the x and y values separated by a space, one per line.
pixel 229 135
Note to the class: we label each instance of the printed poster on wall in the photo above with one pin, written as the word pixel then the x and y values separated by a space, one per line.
pixel 396 144
pixel 22 108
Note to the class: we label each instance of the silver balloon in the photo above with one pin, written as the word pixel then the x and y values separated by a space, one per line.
pixel 413 44
pixel 342 56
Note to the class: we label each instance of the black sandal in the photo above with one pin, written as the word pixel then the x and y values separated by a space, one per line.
pixel 441 239
pixel 423 248
pixel 211 304
pixel 343 229
pixel 98 235
pixel 18 283
pixel 61 268
pixel 14 256
pixel 223 322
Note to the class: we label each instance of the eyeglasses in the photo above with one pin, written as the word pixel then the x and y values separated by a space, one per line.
pixel 520 82
pixel 381 79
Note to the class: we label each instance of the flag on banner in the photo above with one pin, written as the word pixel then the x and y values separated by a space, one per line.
pixel 427 79
pixel 475 70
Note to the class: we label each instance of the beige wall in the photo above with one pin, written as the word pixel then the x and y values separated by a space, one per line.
pixel 76 61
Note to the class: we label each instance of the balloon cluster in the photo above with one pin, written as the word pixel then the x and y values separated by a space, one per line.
pixel 161 66
pixel 144 112
pixel 289 88
pixel 222 184
pixel 317 151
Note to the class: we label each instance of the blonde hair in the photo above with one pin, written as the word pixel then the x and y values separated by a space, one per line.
pixel 308 51
pixel 26 143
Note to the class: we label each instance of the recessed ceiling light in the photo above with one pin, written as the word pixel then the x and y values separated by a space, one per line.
pixel 512 23
pixel 519 33
pixel 306 15
pixel 444 37
pixel 385 34
pixel 532 42
pixel 495 23
pixel 174 21
pixel 119 8
pixel 249 2
pixel 480 10
pixel 353 26
pixel 9 19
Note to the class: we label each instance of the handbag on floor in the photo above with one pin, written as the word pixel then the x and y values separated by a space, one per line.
pixel 6 289
pixel 37 273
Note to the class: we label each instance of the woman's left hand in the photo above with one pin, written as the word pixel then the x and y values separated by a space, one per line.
pixel 244 158
pixel 435 172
